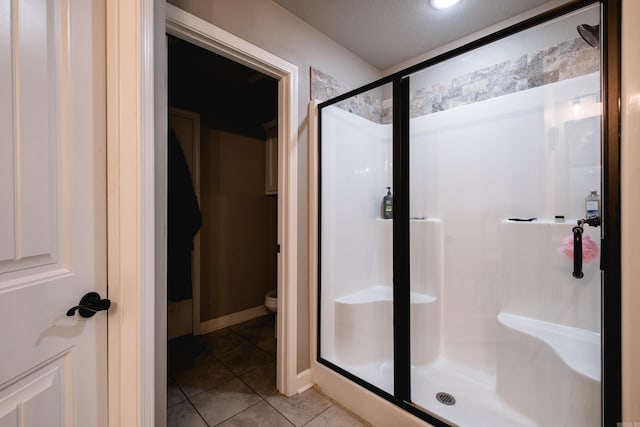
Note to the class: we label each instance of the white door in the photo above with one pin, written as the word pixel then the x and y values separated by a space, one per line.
pixel 53 369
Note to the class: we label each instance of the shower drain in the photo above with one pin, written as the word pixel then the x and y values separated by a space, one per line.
pixel 446 398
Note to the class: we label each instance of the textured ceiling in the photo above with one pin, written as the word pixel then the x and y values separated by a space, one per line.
pixel 387 32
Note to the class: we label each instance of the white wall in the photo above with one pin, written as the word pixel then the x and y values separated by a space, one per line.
pixel 475 166
pixel 270 27
pixel 356 169
pixel 356 245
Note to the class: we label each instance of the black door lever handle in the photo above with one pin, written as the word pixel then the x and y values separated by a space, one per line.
pixel 89 305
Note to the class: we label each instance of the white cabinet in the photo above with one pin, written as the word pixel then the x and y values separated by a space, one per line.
pixel 271 158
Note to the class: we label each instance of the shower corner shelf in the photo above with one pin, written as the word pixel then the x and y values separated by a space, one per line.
pixel 413 219
pixel 567 221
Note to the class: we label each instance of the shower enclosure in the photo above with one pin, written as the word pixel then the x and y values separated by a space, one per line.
pixel 466 308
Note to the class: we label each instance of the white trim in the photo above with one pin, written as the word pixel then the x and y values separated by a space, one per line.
pixel 312 161
pixel 206 35
pixel 194 30
pixel 630 203
pixel 232 319
pixel 368 405
pixel 159 49
pixel 147 217
pixel 131 212
pixel 286 366
pixel 305 381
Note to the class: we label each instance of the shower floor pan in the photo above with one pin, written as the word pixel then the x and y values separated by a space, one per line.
pixel 477 403
pixel 534 356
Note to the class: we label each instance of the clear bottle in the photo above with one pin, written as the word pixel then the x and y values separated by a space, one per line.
pixel 592 205
pixel 387 205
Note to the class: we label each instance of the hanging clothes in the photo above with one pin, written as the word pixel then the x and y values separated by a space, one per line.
pixel 183 221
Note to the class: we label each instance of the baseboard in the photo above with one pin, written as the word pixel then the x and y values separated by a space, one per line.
pixel 362 402
pixel 232 319
pixel 305 381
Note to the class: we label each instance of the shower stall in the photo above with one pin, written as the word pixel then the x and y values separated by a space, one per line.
pixel 479 303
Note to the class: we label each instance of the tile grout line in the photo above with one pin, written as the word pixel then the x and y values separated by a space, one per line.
pixel 321 412
pixel 280 413
pixel 254 334
pixel 235 415
pixel 236 375
pixel 264 399
pixel 188 399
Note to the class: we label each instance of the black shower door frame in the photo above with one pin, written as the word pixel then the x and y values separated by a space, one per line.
pixel 611 339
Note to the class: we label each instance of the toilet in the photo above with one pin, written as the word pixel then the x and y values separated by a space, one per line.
pixel 271 303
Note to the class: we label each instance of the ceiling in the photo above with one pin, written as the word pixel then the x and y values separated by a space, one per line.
pixel 385 33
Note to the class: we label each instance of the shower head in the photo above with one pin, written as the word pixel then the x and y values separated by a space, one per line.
pixel 590 34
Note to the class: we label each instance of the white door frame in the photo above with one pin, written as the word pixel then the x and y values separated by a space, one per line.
pixel 136 127
pixel 201 33
pixel 130 214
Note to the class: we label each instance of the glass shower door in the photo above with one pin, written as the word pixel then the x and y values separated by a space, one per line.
pixel 504 152
pixel 356 305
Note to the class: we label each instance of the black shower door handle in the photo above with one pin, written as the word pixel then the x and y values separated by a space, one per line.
pixel 577 252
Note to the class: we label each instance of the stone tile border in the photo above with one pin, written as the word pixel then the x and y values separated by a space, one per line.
pixel 563 61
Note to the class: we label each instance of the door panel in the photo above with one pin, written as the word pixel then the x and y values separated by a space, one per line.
pixel 37 398
pixel 52 211
pixel 505 145
pixel 356 298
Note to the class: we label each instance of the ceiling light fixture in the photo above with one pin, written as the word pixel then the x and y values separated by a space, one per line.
pixel 443 4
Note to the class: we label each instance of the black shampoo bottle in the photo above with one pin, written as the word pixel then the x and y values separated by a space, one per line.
pixel 387 205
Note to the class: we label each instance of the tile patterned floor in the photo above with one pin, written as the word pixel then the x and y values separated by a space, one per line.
pixel 227 378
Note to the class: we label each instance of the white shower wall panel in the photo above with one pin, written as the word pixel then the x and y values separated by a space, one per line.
pixel 476 165
pixel 356 246
pixel 535 275
pixel 472 167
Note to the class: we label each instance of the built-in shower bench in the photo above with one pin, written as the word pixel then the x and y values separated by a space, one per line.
pixel 579 349
pixel 364 326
